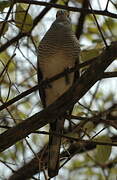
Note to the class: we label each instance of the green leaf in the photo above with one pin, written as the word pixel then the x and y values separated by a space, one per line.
pixel 23 19
pixel 90 53
pixel 27 105
pixel 78 111
pixel 99 95
pixel 76 164
pixel 35 138
pixel 24 6
pixel 109 98
pixel 61 2
pixel 4 4
pixel 4 57
pixel 88 127
pixel 92 30
pixel 103 152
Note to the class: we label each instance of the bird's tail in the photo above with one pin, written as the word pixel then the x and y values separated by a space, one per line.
pixel 54 147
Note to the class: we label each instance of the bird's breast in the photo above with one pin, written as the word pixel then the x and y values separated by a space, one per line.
pixel 55 64
pixel 51 66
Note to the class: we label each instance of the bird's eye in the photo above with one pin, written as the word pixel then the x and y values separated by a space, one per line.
pixel 67 14
pixel 62 13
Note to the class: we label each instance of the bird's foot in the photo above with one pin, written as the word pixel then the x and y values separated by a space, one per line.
pixel 47 83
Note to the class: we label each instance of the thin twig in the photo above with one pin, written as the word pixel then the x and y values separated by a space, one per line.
pixel 77 139
pixel 98 25
pixel 107 5
pixel 6 66
pixel 7 16
pixel 34 88
pixel 74 9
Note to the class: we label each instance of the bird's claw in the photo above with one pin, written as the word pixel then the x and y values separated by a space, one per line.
pixel 66 71
pixel 46 84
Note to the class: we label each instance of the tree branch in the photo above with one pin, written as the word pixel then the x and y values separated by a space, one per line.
pixel 32 167
pixel 34 88
pixel 81 20
pixel 64 103
pixel 21 34
pixel 88 11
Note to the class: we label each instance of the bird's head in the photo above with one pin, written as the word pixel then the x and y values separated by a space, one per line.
pixel 62 15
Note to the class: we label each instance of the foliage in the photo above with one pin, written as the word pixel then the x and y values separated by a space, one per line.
pixel 21 28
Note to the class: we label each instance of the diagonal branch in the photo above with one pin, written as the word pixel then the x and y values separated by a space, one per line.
pixel 75 9
pixel 81 20
pixel 32 167
pixel 22 34
pixel 34 88
pixel 64 103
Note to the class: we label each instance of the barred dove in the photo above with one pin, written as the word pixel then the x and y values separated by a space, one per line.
pixel 58 51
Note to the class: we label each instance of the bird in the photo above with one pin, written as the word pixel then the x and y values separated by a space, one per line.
pixel 58 51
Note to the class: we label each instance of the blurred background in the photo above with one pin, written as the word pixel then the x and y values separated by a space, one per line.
pixel 22 26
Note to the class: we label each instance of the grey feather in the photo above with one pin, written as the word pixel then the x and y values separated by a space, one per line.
pixel 58 50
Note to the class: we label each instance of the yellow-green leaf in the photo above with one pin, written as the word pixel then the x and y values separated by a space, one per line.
pixel 24 6
pixel 61 2
pixel 88 127
pixel 92 30
pixel 103 152
pixel 4 4
pixel 76 164
pixel 90 53
pixel 23 20
pixel 4 57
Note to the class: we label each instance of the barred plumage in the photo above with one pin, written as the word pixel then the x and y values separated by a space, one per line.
pixel 58 50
